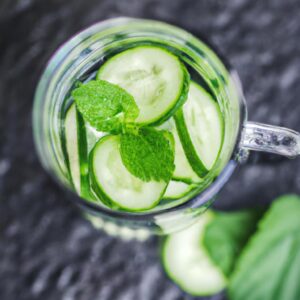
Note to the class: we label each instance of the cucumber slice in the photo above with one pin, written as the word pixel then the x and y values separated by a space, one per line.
pixel 156 79
pixel 200 128
pixel 115 185
pixel 177 189
pixel 76 151
pixel 188 264
pixel 183 170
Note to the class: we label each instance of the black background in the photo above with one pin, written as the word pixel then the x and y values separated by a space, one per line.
pixel 47 250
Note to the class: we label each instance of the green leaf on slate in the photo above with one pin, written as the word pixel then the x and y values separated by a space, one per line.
pixel 269 266
pixel 148 154
pixel 226 235
pixel 104 105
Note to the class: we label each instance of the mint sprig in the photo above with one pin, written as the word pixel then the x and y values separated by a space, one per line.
pixel 227 234
pixel 105 106
pixel 148 154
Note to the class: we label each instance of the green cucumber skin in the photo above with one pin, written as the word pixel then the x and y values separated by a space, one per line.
pixel 187 145
pixel 180 100
pixel 96 186
pixel 98 191
pixel 176 198
pixel 222 125
pixel 196 188
pixel 182 96
pixel 83 157
pixel 83 154
pixel 222 140
pixel 64 147
pixel 184 180
pixel 192 187
pixel 101 193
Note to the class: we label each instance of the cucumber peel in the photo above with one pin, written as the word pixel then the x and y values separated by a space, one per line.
pixel 200 127
pixel 187 262
pixel 75 146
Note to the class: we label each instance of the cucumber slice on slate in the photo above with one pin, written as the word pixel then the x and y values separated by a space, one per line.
pixel 187 262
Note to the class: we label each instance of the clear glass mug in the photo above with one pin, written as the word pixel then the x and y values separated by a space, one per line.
pixel 80 54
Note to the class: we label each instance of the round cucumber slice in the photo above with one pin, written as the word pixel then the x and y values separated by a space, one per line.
pixel 155 77
pixel 200 128
pixel 115 185
pixel 188 264
pixel 177 189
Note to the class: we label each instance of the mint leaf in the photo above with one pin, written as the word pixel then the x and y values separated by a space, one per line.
pixel 104 105
pixel 148 154
pixel 269 267
pixel 226 235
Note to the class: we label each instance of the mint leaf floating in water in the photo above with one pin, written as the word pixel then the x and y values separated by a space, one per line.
pixel 269 267
pixel 105 106
pixel 227 234
pixel 148 154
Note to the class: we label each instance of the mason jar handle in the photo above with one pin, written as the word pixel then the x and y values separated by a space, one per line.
pixel 268 138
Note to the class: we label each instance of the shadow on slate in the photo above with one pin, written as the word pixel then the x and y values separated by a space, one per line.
pixel 47 251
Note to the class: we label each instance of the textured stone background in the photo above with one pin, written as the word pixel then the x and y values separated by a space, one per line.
pixel 47 250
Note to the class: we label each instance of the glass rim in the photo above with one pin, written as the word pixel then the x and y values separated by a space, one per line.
pixel 200 199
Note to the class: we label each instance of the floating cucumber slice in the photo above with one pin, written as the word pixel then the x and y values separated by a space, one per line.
pixel 200 128
pixel 155 77
pixel 188 264
pixel 183 170
pixel 76 151
pixel 114 184
pixel 177 189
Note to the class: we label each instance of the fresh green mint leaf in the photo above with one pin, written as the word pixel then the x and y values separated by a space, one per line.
pixel 269 266
pixel 227 234
pixel 148 154
pixel 105 106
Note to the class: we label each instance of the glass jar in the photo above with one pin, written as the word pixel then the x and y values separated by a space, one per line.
pixel 85 50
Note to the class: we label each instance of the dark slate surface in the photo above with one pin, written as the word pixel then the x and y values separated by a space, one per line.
pixel 47 250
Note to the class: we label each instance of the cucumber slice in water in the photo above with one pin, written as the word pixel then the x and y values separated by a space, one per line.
pixel 177 189
pixel 183 170
pixel 155 77
pixel 114 184
pixel 200 128
pixel 188 264
pixel 76 151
